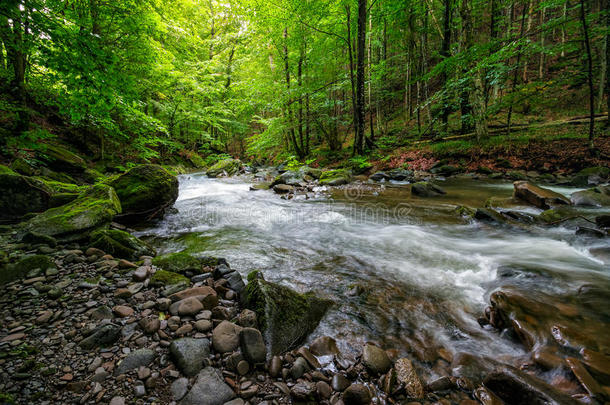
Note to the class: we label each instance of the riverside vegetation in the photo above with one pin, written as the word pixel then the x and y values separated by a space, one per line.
pixel 324 202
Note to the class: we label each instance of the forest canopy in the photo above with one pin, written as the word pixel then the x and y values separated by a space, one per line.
pixel 294 79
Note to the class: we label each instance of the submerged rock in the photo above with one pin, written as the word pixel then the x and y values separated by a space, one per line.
pixel 145 192
pixel 538 196
pixel 120 244
pixel 426 189
pixel 93 208
pixel 286 316
pixel 227 167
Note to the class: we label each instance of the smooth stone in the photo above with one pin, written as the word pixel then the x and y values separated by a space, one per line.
pixel 376 359
pixel 324 346
pixel 102 336
pixel 408 378
pixel 203 325
pixel 310 358
pixel 357 394
pixel 134 360
pixel 117 401
pixel 299 368
pixel 209 389
pixel 252 345
pixel 225 337
pixel 150 324
pixel 122 311
pixel 339 382
pixel 179 388
pixel 190 354
pixel 275 367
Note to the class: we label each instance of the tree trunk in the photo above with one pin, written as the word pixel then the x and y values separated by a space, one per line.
pixel 369 48
pixel 516 72
pixel 352 77
pixel 360 48
pixel 230 67
pixel 608 60
pixel 585 30
pixel 444 52
pixel 291 133
pixel 541 65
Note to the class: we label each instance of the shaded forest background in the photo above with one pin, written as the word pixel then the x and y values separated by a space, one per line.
pixel 290 80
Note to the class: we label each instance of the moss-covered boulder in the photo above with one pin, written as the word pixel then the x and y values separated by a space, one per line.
pixel 426 189
pixel 594 197
pixel 24 167
pixel 196 160
pixel 182 262
pixel 163 278
pixel 335 177
pixel 21 195
pixel 60 158
pixel 62 187
pixel 227 167
pixel 286 316
pixel 591 176
pixel 145 192
pixel 556 215
pixel 24 266
pixel 59 199
pixel 120 244
pixel 93 208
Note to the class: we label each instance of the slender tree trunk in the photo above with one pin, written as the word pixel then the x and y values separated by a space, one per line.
pixel 516 73
pixel 530 14
pixel 608 60
pixel 230 67
pixel 372 129
pixel 541 64
pixel 585 30
pixel 563 29
pixel 352 77
pixel 94 13
pixel 360 47
pixel 300 111
pixel 445 54
pixel 291 132
pixel 603 60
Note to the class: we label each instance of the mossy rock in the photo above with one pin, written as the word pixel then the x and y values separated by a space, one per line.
pixel 92 176
pixel 145 192
pixel 182 262
pixel 196 160
pixel 61 159
pixel 227 167
pixel 555 215
pixel 24 266
pixel 24 167
pixel 426 189
pixel 21 195
pixel 34 238
pixel 120 244
pixel 286 316
pixel 594 197
pixel 311 171
pixel 489 215
pixel 464 211
pixel 163 278
pixel 335 177
pixel 61 187
pixel 7 170
pixel 446 170
pixel 590 175
pixel 516 175
pixel 60 199
pixel 93 208
pixel 49 174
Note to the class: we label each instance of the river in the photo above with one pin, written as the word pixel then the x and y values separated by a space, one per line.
pixel 405 272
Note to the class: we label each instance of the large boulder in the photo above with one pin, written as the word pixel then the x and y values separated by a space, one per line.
pixel 145 192
pixel 21 195
pixel 538 196
pixel 227 167
pixel 595 197
pixel 93 209
pixel 120 244
pixel 286 317
pixel 591 176
pixel 335 177
pixel 62 159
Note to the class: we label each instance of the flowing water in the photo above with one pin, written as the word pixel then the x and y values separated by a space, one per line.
pixel 405 272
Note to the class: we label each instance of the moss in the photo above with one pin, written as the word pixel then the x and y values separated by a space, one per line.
pixel 196 160
pixel 335 177
pixel 61 187
pixel 93 208
pixel 120 244
pixel 92 176
pixel 163 278
pixel 24 266
pixel 287 316
pixel 63 159
pixel 36 238
pixel 465 211
pixel 555 215
pixel 178 262
pixel 24 167
pixel 227 167
pixel 145 191
pixel 6 170
pixel 60 199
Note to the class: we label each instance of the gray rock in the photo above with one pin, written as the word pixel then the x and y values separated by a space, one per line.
pixel 117 401
pixel 179 388
pixel 135 359
pixel 190 354
pixel 102 312
pixel 426 189
pixel 252 345
pixel 102 336
pixel 376 359
pixel 209 389
pixel 235 282
pixel 225 337
pixel 299 368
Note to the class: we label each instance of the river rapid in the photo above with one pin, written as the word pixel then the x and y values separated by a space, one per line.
pixel 405 272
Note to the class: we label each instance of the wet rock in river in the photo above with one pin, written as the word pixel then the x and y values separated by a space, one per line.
pixel 593 197
pixel 286 316
pixel 324 346
pixel 538 196
pixel 376 359
pixel 426 189
pixel 407 378
pixel 335 177
pixel 227 167
pixel 357 394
